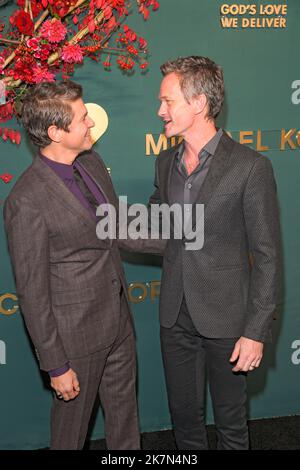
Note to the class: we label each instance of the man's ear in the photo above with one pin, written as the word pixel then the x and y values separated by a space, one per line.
pixel 55 134
pixel 200 103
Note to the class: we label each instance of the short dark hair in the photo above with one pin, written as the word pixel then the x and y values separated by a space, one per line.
pixel 199 75
pixel 46 104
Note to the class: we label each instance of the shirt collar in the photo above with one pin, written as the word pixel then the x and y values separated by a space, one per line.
pixel 210 147
pixel 63 170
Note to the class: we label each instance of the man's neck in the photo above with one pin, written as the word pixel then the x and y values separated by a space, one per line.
pixel 58 155
pixel 196 140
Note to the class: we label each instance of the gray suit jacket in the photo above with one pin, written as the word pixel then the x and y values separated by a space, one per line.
pixel 67 280
pixel 226 297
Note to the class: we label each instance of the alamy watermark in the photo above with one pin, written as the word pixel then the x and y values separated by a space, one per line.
pixel 2 353
pixel 158 221
pixel 295 97
pixel 295 358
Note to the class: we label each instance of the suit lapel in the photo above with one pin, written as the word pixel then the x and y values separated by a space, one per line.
pixel 216 171
pixel 63 195
pixel 99 177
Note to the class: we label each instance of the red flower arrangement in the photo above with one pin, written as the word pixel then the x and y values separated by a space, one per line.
pixel 10 135
pixel 53 30
pixel 6 177
pixel 48 37
pixel 6 112
pixel 22 21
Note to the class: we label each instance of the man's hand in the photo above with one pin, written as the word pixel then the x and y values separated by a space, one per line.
pixel 248 354
pixel 66 386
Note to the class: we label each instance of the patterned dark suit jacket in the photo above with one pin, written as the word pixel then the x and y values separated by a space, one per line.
pixel 67 280
pixel 224 295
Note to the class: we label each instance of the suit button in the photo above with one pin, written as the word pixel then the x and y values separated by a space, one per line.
pixel 114 282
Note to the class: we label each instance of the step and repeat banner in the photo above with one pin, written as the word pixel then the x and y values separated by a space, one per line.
pixel 257 44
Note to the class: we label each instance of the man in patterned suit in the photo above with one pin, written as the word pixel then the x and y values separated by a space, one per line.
pixel 216 307
pixel 71 285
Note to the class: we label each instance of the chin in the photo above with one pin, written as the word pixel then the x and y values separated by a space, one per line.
pixel 88 145
pixel 168 133
pixel 171 132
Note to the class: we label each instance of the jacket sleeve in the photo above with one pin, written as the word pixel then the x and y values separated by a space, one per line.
pixel 261 215
pixel 28 245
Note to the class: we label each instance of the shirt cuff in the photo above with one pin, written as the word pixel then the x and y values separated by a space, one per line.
pixel 59 371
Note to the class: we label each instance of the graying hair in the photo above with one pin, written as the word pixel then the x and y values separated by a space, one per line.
pixel 199 75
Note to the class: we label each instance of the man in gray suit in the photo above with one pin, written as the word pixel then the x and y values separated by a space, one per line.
pixel 216 307
pixel 71 285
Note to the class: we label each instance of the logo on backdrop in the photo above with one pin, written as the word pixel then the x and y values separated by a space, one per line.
pixel 2 353
pixel 252 16
pixel 295 357
pixel 8 304
pixel 137 292
pixel 295 97
pixel 140 291
pixel 260 140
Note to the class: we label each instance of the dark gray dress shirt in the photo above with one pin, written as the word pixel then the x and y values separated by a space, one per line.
pixel 184 188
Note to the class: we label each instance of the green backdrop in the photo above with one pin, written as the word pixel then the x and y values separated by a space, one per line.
pixel 261 68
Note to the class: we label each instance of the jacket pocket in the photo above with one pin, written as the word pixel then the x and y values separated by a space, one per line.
pixel 73 296
pixel 229 267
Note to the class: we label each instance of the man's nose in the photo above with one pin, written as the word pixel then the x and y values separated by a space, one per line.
pixel 91 123
pixel 161 110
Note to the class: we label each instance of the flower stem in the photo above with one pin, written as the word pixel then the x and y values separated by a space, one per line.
pixel 9 41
